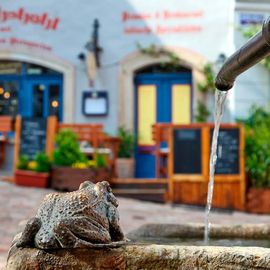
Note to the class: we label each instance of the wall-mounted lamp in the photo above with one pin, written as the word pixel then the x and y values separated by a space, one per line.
pixel 92 45
pixel 92 59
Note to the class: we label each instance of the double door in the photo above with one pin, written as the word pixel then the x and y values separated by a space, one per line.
pixel 159 98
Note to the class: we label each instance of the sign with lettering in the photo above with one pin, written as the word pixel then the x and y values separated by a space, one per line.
pixel 188 24
pixel 187 151
pixel 228 161
pixel 25 17
pixel 33 136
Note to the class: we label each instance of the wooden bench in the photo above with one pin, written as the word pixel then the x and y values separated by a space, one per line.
pixel 5 127
pixel 91 133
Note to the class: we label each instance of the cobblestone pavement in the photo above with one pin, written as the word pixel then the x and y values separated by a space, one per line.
pixel 20 203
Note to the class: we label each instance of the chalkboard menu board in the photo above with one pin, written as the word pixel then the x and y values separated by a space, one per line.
pixel 33 136
pixel 228 161
pixel 187 151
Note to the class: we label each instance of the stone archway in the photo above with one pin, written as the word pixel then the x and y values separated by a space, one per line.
pixel 55 63
pixel 135 61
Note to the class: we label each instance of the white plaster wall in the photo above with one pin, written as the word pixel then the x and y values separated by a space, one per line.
pixel 75 29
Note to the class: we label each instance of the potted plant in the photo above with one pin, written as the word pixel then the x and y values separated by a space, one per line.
pixel 71 167
pixel 125 160
pixel 257 152
pixel 33 173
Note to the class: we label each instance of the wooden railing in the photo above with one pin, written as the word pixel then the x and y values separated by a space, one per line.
pixel 160 133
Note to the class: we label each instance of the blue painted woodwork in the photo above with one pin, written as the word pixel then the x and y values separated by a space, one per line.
pixel 145 166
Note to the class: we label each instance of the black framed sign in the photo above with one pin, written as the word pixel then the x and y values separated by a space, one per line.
pixel 95 103
pixel 33 136
pixel 187 151
pixel 228 161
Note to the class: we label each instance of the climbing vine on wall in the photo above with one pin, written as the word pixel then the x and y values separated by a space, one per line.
pixel 206 87
pixel 251 31
pixel 154 51
pixel 201 113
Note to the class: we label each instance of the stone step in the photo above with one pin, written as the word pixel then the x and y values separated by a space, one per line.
pixel 154 190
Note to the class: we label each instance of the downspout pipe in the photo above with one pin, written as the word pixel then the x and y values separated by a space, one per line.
pixel 256 49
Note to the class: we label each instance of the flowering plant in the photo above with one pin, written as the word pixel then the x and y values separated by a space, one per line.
pixel 41 163
pixel 99 161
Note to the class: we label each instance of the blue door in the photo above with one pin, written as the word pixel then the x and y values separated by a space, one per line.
pixel 42 97
pixel 158 98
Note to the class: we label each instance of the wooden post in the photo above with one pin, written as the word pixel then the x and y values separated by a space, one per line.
pixel 51 131
pixel 242 168
pixel 18 124
pixel 170 166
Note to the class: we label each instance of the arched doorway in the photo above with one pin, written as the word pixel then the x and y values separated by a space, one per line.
pixel 30 90
pixel 139 64
pixel 162 95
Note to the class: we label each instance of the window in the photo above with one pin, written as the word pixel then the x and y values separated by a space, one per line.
pixel 9 98
pixel 54 100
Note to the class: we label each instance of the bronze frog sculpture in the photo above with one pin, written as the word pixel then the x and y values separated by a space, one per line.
pixel 87 217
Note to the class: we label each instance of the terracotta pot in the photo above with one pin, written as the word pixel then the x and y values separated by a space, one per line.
pixel 32 179
pixel 258 200
pixel 69 179
pixel 125 167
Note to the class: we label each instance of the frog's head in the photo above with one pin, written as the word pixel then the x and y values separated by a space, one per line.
pixel 103 189
pixel 86 184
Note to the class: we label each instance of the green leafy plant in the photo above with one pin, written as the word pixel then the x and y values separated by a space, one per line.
pixel 201 113
pixel 41 163
pixel 100 160
pixel 257 147
pixel 208 85
pixel 23 162
pixel 127 143
pixel 173 62
pixel 205 87
pixel 67 150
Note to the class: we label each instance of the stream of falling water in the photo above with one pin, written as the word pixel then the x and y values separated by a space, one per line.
pixel 220 97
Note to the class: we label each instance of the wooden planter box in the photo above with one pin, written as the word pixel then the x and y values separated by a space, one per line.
pixel 69 179
pixel 32 179
pixel 258 200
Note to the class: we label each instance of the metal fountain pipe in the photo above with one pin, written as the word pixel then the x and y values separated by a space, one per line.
pixel 257 48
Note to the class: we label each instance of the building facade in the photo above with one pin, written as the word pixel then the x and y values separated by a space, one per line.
pixel 54 61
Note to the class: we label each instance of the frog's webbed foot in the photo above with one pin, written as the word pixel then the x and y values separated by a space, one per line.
pixel 84 244
pixel 115 244
pixel 80 232
pixel 28 235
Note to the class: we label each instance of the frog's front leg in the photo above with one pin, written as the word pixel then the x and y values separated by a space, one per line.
pixel 80 232
pixel 115 229
pixel 28 235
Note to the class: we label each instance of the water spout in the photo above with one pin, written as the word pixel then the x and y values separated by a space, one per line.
pixel 256 49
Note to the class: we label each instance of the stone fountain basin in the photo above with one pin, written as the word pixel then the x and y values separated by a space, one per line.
pixel 137 255
pixel 192 234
